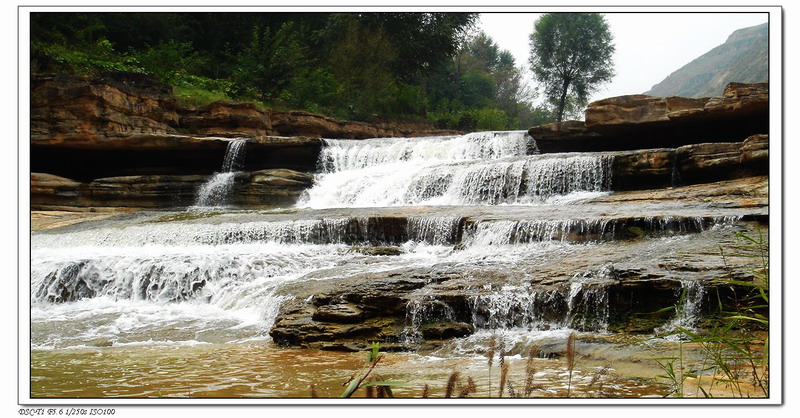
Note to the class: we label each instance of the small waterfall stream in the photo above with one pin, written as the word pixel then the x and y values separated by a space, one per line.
pixel 215 192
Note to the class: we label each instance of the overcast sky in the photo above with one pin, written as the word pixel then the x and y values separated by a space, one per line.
pixel 649 46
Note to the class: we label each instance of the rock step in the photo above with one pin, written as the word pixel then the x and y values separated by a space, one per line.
pixel 262 188
pixel 639 121
pixel 407 311
pixel 630 170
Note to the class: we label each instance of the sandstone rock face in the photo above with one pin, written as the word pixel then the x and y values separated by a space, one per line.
pixel 226 119
pixel 636 110
pixel 737 101
pixel 690 164
pixel 74 110
pixel 755 149
pixel 568 136
pixel 304 123
pixel 641 122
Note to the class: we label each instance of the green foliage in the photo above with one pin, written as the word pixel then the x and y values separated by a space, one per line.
pixel 571 55
pixel 362 379
pixel 86 60
pixel 735 354
pixel 315 90
pixel 269 62
pixel 349 65
pixel 362 60
pixel 171 62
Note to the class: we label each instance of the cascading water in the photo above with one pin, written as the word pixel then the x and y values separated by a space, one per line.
pixel 496 249
pixel 216 190
pixel 476 169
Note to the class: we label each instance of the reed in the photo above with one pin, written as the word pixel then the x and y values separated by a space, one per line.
pixel 530 370
pixel 451 384
pixel 470 388
pixel 363 378
pixel 490 355
pixel 735 352
pixel 570 358
pixel 503 378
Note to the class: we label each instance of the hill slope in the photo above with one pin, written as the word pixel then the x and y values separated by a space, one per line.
pixel 744 57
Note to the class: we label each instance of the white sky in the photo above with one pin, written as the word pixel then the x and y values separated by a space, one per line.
pixel 649 46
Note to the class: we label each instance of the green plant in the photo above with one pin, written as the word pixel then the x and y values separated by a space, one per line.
pixel 735 355
pixel 363 380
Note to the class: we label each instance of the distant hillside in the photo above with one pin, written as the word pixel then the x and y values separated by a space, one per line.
pixel 744 57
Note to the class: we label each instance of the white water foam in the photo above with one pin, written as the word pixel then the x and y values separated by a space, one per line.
pixel 512 180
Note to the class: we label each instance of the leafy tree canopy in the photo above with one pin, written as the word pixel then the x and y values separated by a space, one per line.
pixel 348 65
pixel 571 55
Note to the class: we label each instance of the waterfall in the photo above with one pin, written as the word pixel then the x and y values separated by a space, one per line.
pixel 508 180
pixel 486 168
pixel 581 304
pixel 687 311
pixel 341 155
pixel 216 190
pixel 501 244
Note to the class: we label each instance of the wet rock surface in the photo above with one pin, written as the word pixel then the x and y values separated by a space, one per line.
pixel 621 286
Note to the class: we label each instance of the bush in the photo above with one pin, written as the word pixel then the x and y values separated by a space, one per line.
pixel 171 62
pixel 86 59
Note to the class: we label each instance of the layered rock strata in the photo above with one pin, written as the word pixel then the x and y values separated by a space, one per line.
pixel 639 121
pixel 87 130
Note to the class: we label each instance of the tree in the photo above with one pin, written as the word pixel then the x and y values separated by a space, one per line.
pixel 571 55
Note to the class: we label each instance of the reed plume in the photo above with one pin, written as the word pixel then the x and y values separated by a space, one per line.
pixel 490 354
pixel 313 391
pixel 468 389
pixel 597 379
pixel 570 360
pixel 492 349
pixel 511 392
pixel 530 370
pixel 426 390
pixel 503 377
pixel 451 384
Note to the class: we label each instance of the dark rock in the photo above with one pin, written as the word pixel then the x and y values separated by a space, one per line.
pixel 446 330
pixel 268 188
pixel 568 136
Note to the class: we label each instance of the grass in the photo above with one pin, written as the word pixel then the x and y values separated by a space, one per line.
pixel 735 348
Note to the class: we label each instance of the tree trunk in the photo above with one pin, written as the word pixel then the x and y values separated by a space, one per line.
pixel 563 101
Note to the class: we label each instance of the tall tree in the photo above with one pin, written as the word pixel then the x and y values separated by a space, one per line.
pixel 571 55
